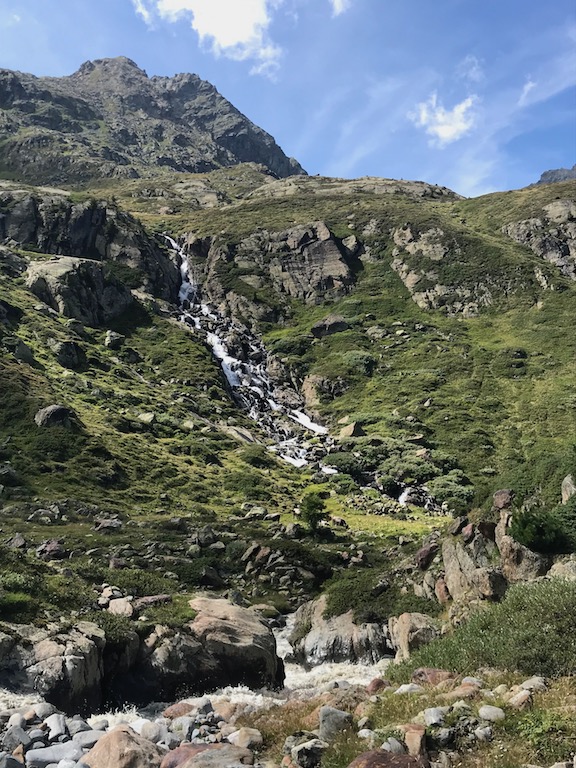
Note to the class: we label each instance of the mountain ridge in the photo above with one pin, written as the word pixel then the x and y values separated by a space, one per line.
pixel 110 119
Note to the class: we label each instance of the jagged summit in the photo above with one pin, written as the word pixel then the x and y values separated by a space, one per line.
pixel 110 118
pixel 557 174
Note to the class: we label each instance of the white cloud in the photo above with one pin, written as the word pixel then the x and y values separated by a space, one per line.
pixel 470 68
pixel 143 11
pixel 339 6
pixel 238 30
pixel 445 125
pixel 529 85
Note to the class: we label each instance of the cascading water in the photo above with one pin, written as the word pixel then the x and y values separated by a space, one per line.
pixel 244 367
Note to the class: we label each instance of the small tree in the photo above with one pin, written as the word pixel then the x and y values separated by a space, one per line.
pixel 313 510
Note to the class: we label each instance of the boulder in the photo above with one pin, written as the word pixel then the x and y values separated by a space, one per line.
pixel 332 722
pixel 468 570
pixel 65 668
pixel 123 748
pixel 69 354
pixel 520 563
pixel 410 631
pixel 79 288
pixel 329 326
pixel 316 639
pixel 238 647
pixel 55 416
pixel 220 756
pixel 354 429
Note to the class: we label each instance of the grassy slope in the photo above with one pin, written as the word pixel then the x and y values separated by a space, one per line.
pixel 507 423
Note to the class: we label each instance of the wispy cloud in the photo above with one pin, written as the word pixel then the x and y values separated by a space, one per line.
pixel 471 69
pixel 445 125
pixel 9 19
pixel 529 85
pixel 339 6
pixel 237 30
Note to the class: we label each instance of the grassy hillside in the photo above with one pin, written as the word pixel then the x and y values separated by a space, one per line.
pixel 492 391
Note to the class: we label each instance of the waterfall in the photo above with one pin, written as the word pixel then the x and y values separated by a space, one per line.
pixel 244 366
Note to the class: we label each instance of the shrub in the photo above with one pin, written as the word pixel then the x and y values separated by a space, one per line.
pixel 371 597
pixel 313 510
pixel 532 631
pixel 541 530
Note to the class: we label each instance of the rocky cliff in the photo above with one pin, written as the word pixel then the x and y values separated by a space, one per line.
pixel 110 119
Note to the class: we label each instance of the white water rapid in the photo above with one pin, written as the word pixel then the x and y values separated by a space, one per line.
pixel 243 359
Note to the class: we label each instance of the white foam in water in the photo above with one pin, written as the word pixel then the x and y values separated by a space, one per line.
pixel 11 700
pixel 307 422
pixel 247 377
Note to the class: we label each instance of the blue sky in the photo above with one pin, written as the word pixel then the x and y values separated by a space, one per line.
pixel 478 95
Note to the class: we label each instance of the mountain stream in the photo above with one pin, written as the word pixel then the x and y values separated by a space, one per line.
pixel 245 367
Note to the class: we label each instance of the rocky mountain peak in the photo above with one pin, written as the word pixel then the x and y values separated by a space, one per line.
pixel 110 119
pixel 113 66
pixel 558 174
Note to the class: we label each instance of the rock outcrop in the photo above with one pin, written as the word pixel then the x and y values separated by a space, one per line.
pixel 308 263
pixel 78 670
pixel 50 222
pixel 316 639
pixel 552 236
pixel 79 288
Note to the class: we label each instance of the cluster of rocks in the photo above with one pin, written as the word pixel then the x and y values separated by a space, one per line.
pixel 464 716
pixel 79 668
pixel 191 734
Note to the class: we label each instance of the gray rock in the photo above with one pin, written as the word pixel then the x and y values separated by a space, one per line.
pixel 483 734
pixel 490 713
pixel 409 688
pixel 79 288
pixel 535 684
pixel 54 415
pixel 14 736
pixel 87 739
pixel 435 715
pixel 336 639
pixel 309 754
pixel 568 488
pixel 41 758
pixel 43 709
pixel 333 722
pixel 410 631
pixel 114 340
pixel 394 746
pixel 69 354
pixel 56 724
pixel 17 720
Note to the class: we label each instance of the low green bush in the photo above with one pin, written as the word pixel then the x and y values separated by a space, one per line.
pixel 372 597
pixel 532 631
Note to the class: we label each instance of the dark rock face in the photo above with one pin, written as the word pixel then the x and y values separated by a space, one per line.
pixel 110 119
pixel 308 263
pixel 52 223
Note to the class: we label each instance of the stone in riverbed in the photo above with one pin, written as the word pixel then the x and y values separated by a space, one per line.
pixel 40 758
pixel 123 748
pixel 246 737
